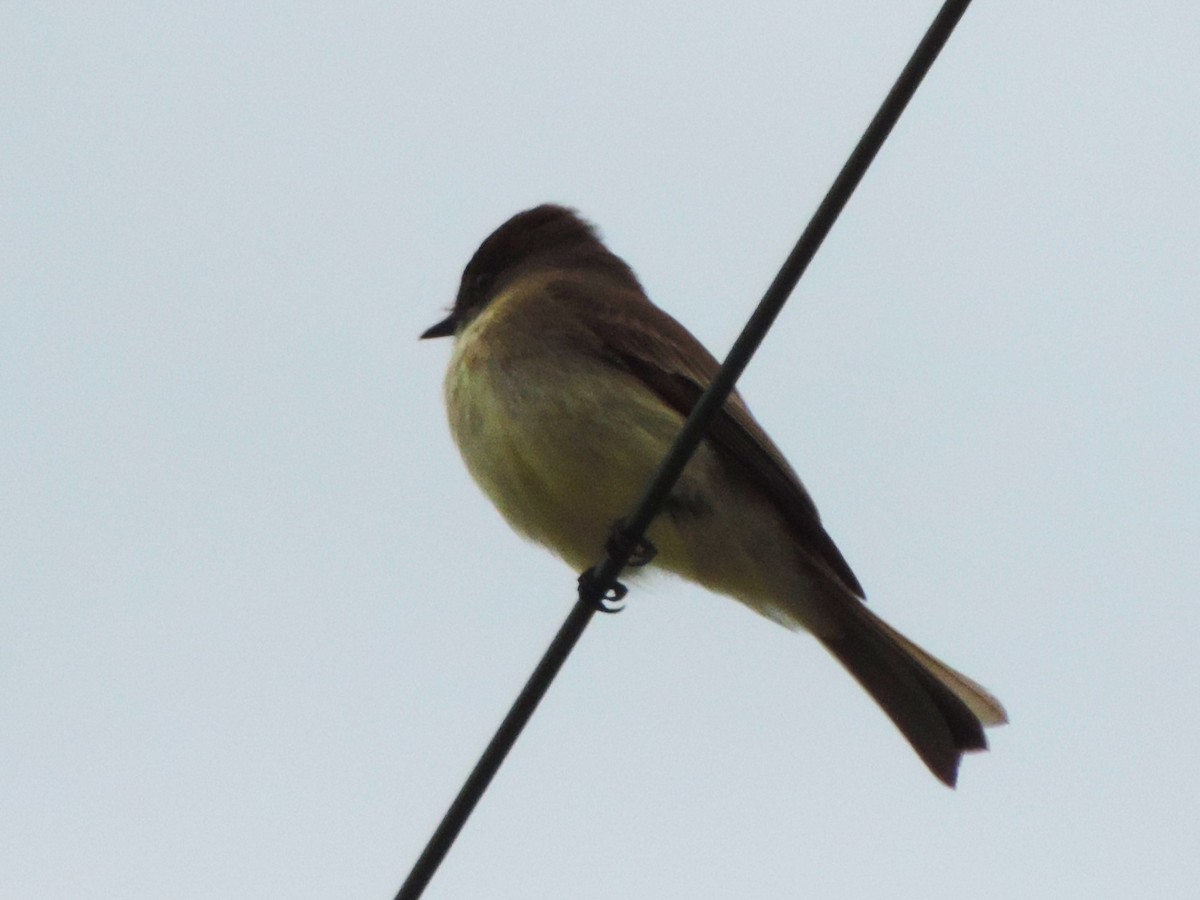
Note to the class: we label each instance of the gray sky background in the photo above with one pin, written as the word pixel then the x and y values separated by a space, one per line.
pixel 256 623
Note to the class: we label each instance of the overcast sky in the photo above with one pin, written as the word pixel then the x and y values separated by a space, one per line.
pixel 256 622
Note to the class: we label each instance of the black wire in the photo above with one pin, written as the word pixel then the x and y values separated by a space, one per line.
pixel 603 579
pixel 506 735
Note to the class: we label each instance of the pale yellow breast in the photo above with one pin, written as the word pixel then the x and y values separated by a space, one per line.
pixel 561 442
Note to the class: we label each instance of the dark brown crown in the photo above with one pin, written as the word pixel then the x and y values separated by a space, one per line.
pixel 545 237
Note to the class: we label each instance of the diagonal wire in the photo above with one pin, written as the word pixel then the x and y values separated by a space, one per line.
pixel 601 583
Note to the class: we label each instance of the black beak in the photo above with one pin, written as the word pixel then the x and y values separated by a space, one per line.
pixel 444 328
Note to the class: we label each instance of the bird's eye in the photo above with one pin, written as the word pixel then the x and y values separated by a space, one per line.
pixel 483 281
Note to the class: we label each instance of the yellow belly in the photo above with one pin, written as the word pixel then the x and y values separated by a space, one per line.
pixel 562 443
pixel 562 454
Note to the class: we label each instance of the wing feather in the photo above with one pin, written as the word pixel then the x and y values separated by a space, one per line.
pixel 664 356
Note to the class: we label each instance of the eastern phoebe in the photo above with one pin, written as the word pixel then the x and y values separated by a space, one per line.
pixel 565 388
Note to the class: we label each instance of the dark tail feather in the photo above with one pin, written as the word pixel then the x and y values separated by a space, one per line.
pixel 934 718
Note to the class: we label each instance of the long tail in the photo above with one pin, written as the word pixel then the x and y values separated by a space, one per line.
pixel 940 711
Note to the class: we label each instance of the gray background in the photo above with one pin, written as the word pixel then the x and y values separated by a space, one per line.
pixel 255 621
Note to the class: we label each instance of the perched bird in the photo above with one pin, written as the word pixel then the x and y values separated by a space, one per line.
pixel 565 388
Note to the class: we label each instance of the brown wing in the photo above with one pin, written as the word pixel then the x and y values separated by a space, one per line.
pixel 671 362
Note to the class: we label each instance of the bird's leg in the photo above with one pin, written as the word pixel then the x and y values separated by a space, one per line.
pixel 622 545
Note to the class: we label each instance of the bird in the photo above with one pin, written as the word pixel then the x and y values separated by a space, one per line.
pixel 565 387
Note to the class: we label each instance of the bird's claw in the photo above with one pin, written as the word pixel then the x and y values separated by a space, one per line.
pixel 636 553
pixel 607 600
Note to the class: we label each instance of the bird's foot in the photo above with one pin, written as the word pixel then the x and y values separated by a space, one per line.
pixel 622 545
pixel 599 598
